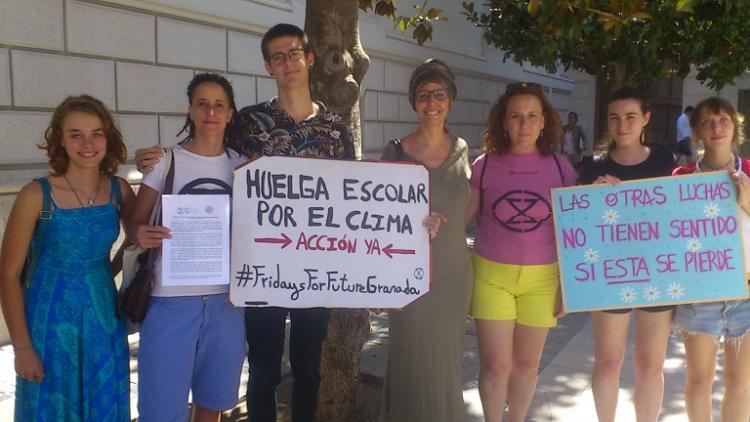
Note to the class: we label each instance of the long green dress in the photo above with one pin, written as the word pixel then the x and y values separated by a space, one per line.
pixel 423 380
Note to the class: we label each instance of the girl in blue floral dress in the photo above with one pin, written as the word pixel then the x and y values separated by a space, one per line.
pixel 71 351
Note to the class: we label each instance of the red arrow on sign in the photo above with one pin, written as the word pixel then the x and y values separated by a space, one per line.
pixel 390 250
pixel 284 239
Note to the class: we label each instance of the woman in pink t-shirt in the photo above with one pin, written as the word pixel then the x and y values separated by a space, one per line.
pixel 516 277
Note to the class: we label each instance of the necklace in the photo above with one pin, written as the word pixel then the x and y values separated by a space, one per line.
pixel 705 166
pixel 90 199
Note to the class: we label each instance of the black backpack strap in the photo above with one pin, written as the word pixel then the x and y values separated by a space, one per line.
pixel 399 149
pixel 559 168
pixel 481 186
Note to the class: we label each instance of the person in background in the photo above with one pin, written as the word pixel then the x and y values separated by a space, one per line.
pixel 573 139
pixel 192 339
pixel 423 380
pixel 684 135
pixel 71 351
pixel 629 157
pixel 516 277
pixel 703 325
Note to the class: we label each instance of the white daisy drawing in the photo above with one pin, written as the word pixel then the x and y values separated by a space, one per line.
pixel 651 293
pixel 610 216
pixel 591 256
pixel 675 290
pixel 711 210
pixel 627 294
pixel 694 245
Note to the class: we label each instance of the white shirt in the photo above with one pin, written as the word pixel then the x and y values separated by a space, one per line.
pixel 683 127
pixel 188 167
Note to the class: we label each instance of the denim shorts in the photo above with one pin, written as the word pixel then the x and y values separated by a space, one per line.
pixel 189 343
pixel 730 320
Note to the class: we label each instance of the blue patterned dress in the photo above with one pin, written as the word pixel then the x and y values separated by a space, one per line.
pixel 70 308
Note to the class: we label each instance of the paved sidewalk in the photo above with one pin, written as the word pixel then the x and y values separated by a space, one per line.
pixel 564 388
pixel 563 393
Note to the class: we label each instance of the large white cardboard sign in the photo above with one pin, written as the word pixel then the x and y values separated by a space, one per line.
pixel 329 233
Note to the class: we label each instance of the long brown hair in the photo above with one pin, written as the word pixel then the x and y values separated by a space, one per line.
pixel 58 158
pixel 495 138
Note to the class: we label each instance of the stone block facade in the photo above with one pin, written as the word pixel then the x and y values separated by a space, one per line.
pixel 138 56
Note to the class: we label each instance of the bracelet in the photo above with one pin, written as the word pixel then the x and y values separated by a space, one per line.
pixel 21 348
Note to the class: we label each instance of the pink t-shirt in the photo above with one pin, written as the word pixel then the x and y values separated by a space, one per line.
pixel 516 225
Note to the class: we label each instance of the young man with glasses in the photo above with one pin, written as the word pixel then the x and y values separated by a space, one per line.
pixel 291 124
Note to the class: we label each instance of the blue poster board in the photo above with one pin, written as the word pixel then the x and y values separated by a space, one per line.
pixel 649 242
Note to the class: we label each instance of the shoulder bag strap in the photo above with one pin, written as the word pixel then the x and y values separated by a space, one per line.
pixel 481 186
pixel 168 181
pixel 559 168
pixel 167 186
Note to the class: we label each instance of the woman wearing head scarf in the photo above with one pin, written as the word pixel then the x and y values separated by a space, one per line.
pixel 423 380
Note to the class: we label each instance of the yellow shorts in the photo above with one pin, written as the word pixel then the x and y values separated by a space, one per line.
pixel 525 293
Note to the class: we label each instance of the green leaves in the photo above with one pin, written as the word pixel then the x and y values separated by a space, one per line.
pixel 381 8
pixel 421 21
pixel 640 41
pixel 534 7
pixel 684 6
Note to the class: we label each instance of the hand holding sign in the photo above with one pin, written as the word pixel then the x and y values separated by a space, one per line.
pixel 432 223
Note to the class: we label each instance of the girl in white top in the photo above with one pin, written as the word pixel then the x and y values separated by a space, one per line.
pixel 192 338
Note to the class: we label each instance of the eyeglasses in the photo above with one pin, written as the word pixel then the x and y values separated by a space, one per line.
pixel 281 57
pixel 437 95
pixel 523 87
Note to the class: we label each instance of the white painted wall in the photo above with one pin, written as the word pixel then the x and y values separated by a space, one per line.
pixel 138 56
pixel 694 91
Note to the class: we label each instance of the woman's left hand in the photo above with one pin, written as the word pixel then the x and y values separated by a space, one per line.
pixel 432 223
pixel 743 189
